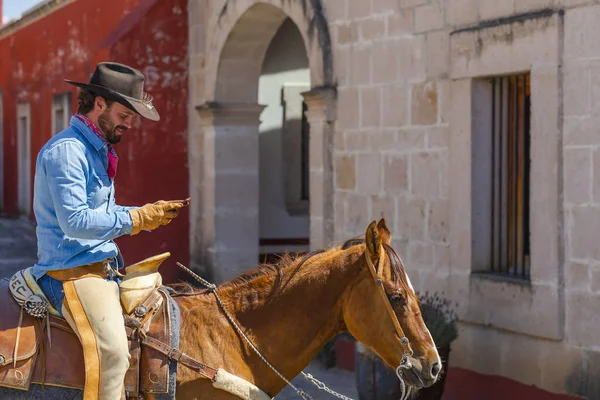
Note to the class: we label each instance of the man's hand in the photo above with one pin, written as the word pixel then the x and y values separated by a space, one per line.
pixel 151 216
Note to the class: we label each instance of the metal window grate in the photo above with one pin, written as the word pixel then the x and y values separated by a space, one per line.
pixel 305 162
pixel 510 176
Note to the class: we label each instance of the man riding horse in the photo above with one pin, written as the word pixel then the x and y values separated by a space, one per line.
pixel 78 218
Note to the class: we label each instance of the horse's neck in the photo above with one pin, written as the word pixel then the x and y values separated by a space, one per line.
pixel 289 326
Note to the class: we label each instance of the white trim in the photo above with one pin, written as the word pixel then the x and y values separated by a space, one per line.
pixel 61 101
pixel 24 158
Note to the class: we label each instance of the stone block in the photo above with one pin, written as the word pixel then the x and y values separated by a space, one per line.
pixel 429 17
pixel 594 279
pixel 382 140
pixel 425 173
pixel 359 9
pixel 385 62
pixel 348 101
pixel 383 207
pixel 594 88
pixel 358 140
pixel 341 55
pixel 441 257
pixel 360 67
pixel 395 173
pixel 421 256
pixel 577 276
pixel 394 103
pixel 409 140
pixel 437 221
pixel 412 3
pixel 533 5
pixel 345 172
pixel 372 28
pixel 336 10
pixel 339 143
pixel 583 371
pixel 400 23
pixel 368 173
pixel 581 131
pixel 411 218
pixel 580 33
pixel 522 360
pixel 482 357
pixel 347 33
pixel 492 9
pixel 424 103
pixel 384 6
pixel 577 87
pixel 584 231
pixel 370 106
pixel 412 53
pixel 357 214
pixel 438 137
pixel 582 324
pixel 557 375
pixel 578 175
pixel 461 12
pixel 438 54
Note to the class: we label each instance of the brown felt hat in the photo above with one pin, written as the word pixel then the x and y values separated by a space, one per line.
pixel 122 84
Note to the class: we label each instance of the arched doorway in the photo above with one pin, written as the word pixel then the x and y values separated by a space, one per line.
pixel 224 158
pixel 284 223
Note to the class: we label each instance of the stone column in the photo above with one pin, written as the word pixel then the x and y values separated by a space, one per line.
pixel 229 220
pixel 321 114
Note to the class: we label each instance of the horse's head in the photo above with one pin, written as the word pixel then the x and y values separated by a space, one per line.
pixel 383 292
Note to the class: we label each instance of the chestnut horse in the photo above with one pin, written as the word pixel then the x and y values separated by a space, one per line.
pixel 291 310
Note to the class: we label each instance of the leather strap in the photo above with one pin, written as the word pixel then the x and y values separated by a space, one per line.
pixel 182 358
pixel 377 275
pixel 85 271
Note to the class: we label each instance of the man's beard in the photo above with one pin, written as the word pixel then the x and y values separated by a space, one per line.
pixel 109 128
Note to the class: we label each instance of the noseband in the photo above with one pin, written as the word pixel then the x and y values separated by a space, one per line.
pixel 377 276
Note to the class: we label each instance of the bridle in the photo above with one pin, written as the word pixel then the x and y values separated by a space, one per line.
pixel 377 276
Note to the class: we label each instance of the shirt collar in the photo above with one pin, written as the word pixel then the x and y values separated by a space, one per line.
pixel 87 133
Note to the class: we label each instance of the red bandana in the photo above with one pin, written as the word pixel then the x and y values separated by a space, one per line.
pixel 113 159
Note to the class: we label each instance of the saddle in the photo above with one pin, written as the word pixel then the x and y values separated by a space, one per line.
pixel 55 357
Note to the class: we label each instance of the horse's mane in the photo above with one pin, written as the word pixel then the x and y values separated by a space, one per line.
pixel 287 260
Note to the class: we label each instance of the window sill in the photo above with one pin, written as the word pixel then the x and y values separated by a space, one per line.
pixel 496 277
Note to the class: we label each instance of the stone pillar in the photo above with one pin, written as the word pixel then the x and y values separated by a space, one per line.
pixel 229 219
pixel 321 114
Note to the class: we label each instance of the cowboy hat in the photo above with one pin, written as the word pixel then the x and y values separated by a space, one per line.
pixel 122 84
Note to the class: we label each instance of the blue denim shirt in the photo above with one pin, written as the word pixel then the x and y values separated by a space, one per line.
pixel 74 202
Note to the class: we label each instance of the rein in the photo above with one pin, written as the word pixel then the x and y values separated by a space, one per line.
pixel 377 276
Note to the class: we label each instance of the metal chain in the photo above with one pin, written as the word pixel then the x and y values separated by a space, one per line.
pixel 213 288
pixel 309 377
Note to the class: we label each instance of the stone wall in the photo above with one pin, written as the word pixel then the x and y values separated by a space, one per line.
pixel 403 72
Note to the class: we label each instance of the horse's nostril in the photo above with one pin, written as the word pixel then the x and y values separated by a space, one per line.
pixel 435 369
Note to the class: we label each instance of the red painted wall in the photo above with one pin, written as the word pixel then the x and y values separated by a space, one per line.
pixel 153 163
pixel 68 43
pixel 34 62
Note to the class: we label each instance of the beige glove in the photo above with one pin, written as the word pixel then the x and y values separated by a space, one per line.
pixel 151 216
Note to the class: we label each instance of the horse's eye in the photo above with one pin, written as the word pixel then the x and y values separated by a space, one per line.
pixel 397 299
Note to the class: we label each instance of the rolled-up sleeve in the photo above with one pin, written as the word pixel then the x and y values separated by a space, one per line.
pixel 66 169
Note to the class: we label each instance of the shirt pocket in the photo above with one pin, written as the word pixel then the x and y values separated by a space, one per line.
pixel 99 190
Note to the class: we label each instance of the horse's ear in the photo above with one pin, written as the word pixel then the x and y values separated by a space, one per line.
pixel 373 240
pixel 386 235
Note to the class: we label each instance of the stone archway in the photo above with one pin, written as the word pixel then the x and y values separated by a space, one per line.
pixel 224 171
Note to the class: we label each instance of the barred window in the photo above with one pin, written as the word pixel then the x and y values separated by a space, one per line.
pixel 501 176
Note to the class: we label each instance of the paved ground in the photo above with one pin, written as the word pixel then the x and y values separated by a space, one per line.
pixel 18 245
pixel 18 249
